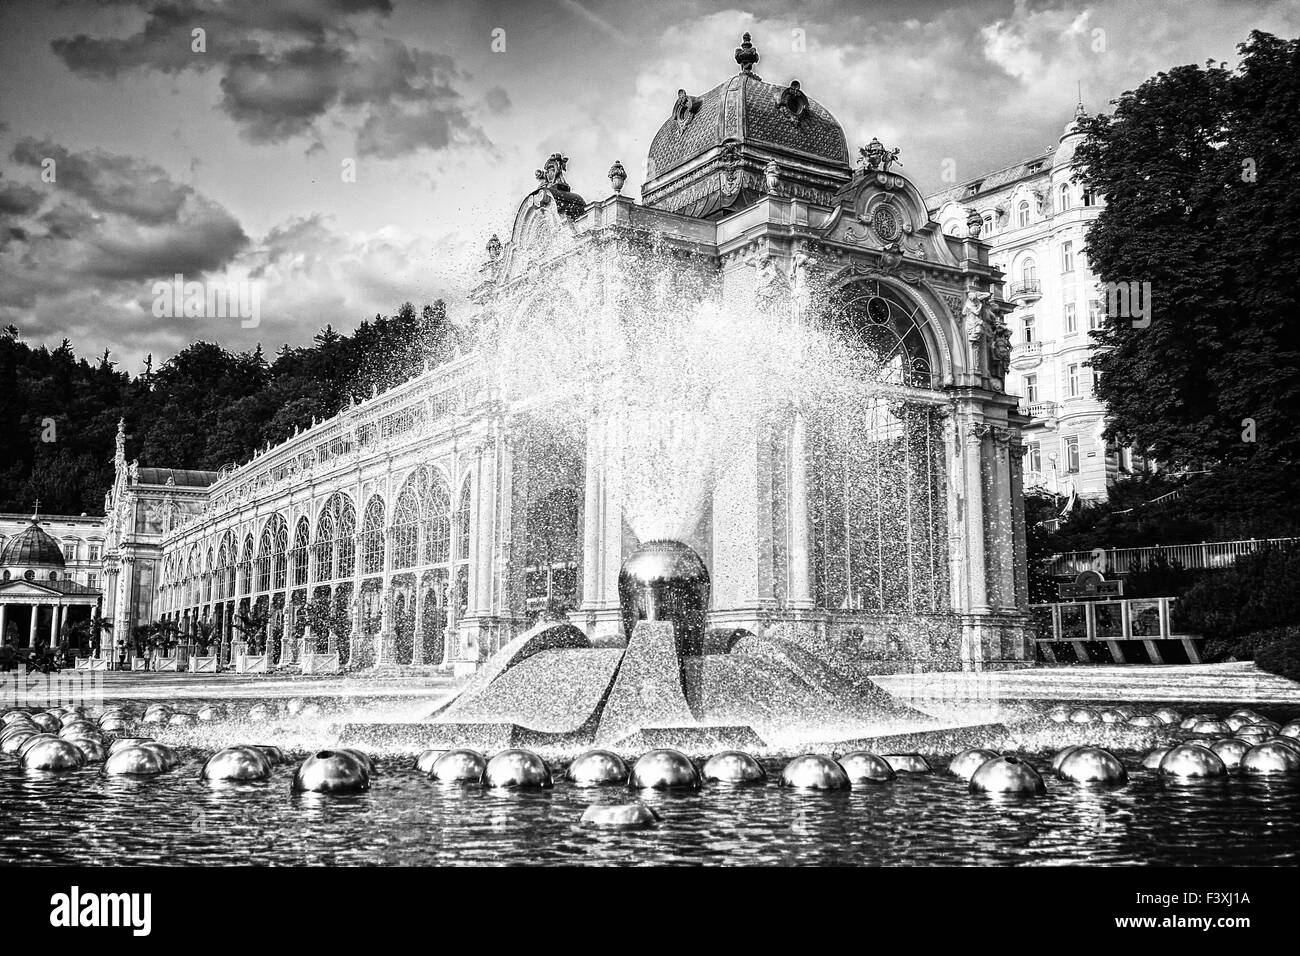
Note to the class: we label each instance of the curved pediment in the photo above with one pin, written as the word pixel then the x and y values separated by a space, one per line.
pixel 881 210
pixel 541 232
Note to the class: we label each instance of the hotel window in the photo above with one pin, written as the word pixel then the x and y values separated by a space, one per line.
pixel 69 552
pixel 1029 329
pixel 1031 388
pixel 94 552
pixel 988 225
pixel 1094 314
pixel 1071 455
pixel 1035 457
pixel 1067 257
pixel 1029 272
pixel 1089 197
pixel 1071 320
pixel 1072 378
pixel 1063 195
pixel 1022 215
pixel 92 580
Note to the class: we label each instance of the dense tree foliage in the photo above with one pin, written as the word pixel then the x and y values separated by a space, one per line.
pixel 202 408
pixel 1199 169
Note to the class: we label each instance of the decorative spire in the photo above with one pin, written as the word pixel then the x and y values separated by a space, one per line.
pixel 494 248
pixel 617 177
pixel 746 54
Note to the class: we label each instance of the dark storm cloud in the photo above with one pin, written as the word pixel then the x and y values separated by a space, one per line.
pixel 284 67
pixel 105 218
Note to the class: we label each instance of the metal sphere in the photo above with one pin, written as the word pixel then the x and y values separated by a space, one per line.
pixel 597 768
pixel 331 771
pixel 1237 721
pixel 211 712
pixel 367 761
pixel 734 767
pixel 1230 750
pixel 81 728
pixel 1153 757
pixel 274 755
pixel 1060 756
pixel 459 766
pixel 13 716
pixel 113 725
pixel 1092 765
pixel 517 768
pixel 1252 733
pixel 1246 712
pixel 426 759
pixel 1060 714
pixel 1168 715
pixel 54 755
pixel 1126 711
pixel 236 763
pixel 260 712
pixel 170 758
pixel 94 749
pixel 664 770
pixel 1270 758
pixel 1290 729
pixel 155 717
pixel 1112 715
pixel 1192 761
pixel 1187 723
pixel 966 762
pixel 134 762
pixel 34 740
pixel 908 763
pixel 121 743
pixel 814 772
pixel 666 581
pixel 182 720
pixel 864 767
pixel 1145 720
pixel 1221 727
pixel 1007 775
pixel 623 816
pixel 47 722
pixel 1272 726
pixel 1084 715
pixel 11 742
pixel 1289 742
pixel 72 721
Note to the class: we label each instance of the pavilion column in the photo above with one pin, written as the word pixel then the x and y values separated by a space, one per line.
pixel 972 462
pixel 449 630
pixel 287 655
pixel 31 627
pixel 1018 534
pixel 800 589
pixel 54 623
pixel 1003 520
pixel 3 633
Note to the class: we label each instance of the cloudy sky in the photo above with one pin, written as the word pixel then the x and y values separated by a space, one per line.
pixel 229 162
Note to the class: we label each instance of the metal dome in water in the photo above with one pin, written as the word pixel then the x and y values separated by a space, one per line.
pixel 666 581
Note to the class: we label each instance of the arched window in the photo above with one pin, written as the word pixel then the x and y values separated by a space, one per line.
pixel 460 523
pixel 406 521
pixel 1022 214
pixel 326 525
pixel 301 539
pixel 226 568
pixel 884 334
pixel 1029 272
pixel 346 533
pixel 437 522
pixel 1063 197
pixel 281 553
pixel 372 537
pixel 207 578
pixel 246 566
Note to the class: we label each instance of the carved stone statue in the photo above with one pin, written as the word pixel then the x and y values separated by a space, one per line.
pixel 552 172
pixel 1001 349
pixel 874 156
pixel 973 314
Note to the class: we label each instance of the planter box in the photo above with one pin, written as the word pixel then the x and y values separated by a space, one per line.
pixel 168 664
pixel 201 664
pixel 139 663
pixel 91 663
pixel 252 664
pixel 320 663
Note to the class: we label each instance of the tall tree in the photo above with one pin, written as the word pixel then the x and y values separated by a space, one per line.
pixel 1199 167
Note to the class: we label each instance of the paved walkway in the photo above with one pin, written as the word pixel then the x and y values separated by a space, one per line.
pixel 1212 683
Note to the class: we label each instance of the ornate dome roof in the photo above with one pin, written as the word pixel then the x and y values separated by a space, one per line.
pixel 1070 139
pixel 745 121
pixel 33 548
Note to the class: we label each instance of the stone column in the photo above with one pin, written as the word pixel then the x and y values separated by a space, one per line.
pixel 449 630
pixel 287 655
pixel 1018 534
pixel 55 614
pixel 800 593
pixel 3 608
pixel 1003 532
pixel 976 567
pixel 31 627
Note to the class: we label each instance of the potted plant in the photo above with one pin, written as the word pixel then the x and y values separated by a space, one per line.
pixel 251 625
pixel 315 657
pixel 202 661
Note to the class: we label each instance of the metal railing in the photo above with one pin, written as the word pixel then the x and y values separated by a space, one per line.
pixel 1020 290
pixel 1206 555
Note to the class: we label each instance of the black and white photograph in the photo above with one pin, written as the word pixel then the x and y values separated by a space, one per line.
pixel 615 435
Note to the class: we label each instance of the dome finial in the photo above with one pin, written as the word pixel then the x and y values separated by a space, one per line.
pixel 746 54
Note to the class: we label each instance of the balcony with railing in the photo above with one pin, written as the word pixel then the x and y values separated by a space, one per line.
pixel 1040 411
pixel 1030 290
pixel 1026 355
pixel 1206 555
